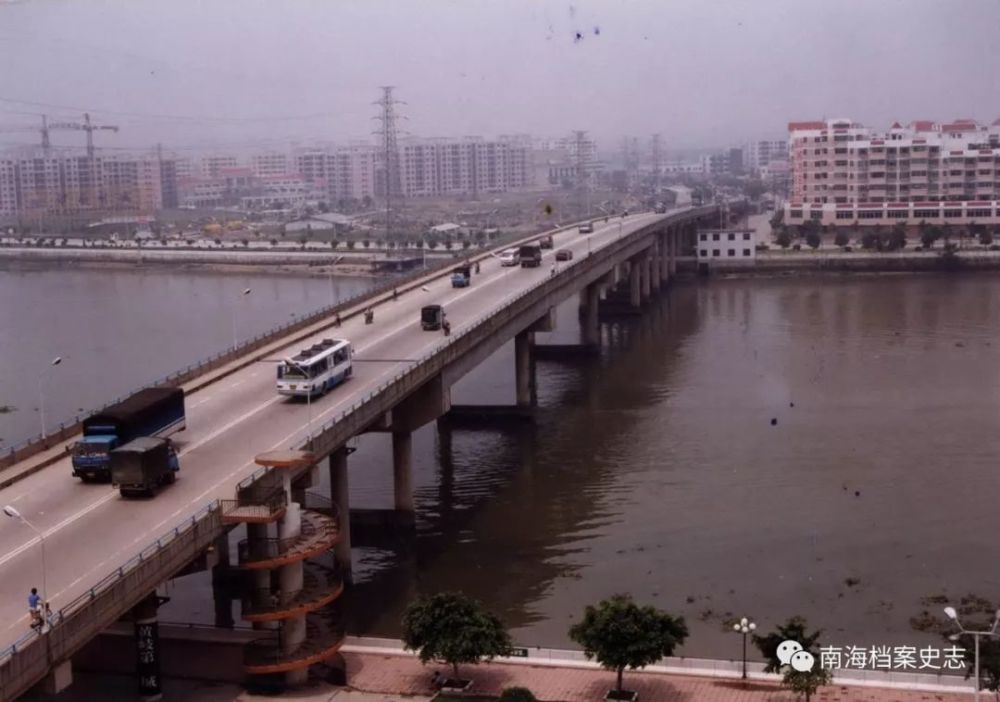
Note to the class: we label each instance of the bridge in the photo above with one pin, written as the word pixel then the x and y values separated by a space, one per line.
pixel 248 457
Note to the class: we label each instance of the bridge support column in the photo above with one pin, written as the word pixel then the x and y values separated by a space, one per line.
pixel 147 648
pixel 654 265
pixel 590 328
pixel 635 283
pixel 523 371
pixel 340 496
pixel 645 267
pixel 402 471
pixel 220 577
pixel 290 578
pixel 261 577
pixel 664 270
pixel 674 250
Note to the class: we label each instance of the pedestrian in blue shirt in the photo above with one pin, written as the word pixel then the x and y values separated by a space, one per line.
pixel 35 608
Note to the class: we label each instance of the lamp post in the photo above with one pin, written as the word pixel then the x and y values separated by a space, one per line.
pixel 744 626
pixel 11 512
pixel 42 375
pixel 245 292
pixel 309 394
pixel 953 615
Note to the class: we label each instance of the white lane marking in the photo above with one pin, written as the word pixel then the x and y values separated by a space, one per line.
pixel 83 512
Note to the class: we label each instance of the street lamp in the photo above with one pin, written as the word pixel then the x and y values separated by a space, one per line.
pixel 309 393
pixel 11 512
pixel 42 375
pixel 744 626
pixel 953 615
pixel 246 292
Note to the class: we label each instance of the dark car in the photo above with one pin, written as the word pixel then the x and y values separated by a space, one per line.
pixel 546 242
pixel 564 255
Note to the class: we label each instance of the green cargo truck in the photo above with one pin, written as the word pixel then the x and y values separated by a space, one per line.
pixel 143 465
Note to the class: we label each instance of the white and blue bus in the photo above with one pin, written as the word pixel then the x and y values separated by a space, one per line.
pixel 315 369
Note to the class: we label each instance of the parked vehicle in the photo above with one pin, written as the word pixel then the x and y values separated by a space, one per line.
pixel 586 228
pixel 461 277
pixel 143 465
pixel 510 257
pixel 316 369
pixel 531 255
pixel 431 317
pixel 154 412
pixel 546 242
pixel 564 255
pixel 660 208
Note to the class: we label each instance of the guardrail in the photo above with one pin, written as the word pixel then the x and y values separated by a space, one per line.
pixel 36 444
pixel 29 659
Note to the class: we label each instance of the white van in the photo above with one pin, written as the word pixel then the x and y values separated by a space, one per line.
pixel 510 257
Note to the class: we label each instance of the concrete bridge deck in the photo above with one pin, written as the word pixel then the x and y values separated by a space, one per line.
pixel 89 530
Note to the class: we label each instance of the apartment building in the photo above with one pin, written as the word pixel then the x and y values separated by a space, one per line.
pixel 36 183
pixel 759 154
pixel 270 164
pixel 843 172
pixel 342 173
pixel 442 167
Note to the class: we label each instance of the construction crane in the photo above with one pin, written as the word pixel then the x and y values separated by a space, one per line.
pixel 44 131
pixel 84 126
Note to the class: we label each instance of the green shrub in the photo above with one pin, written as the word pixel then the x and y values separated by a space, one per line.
pixel 517 694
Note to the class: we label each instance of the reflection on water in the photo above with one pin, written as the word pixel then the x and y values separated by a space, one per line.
pixel 757 448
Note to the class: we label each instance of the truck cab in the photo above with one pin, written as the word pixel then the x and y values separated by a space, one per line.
pixel 91 456
pixel 530 255
pixel 461 277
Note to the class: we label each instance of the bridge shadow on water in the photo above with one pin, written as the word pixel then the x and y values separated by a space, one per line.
pixel 508 512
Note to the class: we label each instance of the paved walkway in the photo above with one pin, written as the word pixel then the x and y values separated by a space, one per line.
pixel 405 675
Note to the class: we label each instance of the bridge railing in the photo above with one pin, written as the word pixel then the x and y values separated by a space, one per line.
pixel 28 660
pixel 362 412
pixel 69 428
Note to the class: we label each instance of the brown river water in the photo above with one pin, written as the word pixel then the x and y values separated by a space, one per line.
pixel 749 447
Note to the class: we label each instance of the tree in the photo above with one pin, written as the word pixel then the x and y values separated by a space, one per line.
pixel 517 694
pixel 985 237
pixel 897 237
pixel 351 244
pixel 928 234
pixel 841 238
pixel 453 628
pixel 806 682
pixel 366 243
pixel 620 634
pixel 814 240
pixel 794 630
pixel 784 239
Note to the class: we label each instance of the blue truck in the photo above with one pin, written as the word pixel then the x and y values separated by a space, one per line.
pixel 461 277
pixel 153 412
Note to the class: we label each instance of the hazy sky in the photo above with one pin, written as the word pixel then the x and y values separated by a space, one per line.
pixel 701 72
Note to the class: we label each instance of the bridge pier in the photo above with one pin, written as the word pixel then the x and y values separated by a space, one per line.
pixel 257 533
pixel 340 496
pixel 634 283
pixel 654 265
pixel 590 324
pixel 645 267
pixel 147 648
pixel 290 578
pixel 221 597
pixel 666 245
pixel 402 472
pixel 524 371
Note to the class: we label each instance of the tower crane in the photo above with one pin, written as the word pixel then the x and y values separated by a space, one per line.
pixel 84 126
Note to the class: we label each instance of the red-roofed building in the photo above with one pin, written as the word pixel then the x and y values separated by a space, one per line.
pixel 844 173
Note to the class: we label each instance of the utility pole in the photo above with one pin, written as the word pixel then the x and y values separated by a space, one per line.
pixel 657 162
pixel 392 180
pixel 581 145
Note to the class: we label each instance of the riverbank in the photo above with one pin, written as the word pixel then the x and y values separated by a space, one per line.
pixel 771 262
pixel 386 675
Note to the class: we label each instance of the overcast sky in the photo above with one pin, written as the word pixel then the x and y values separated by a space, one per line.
pixel 701 72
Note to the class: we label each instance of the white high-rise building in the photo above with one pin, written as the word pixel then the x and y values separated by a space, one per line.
pixel 842 172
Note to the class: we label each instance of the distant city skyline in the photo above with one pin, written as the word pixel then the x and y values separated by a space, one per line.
pixel 704 75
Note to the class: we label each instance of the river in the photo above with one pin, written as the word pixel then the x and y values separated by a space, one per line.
pixel 817 446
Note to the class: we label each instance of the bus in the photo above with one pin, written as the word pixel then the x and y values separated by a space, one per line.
pixel 316 369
